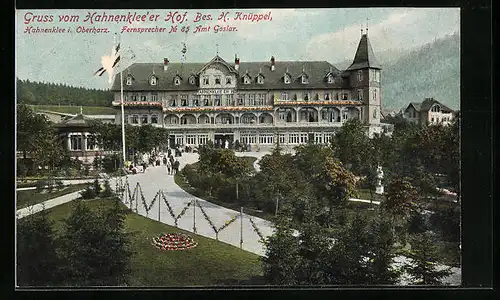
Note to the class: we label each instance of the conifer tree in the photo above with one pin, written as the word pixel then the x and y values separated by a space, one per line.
pixel 424 254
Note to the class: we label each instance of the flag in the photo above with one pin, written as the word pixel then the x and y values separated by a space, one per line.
pixel 109 63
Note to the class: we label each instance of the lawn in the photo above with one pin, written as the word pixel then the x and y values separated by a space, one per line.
pixel 365 194
pixel 87 110
pixel 31 197
pixel 210 263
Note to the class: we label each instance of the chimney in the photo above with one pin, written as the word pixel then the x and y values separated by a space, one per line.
pixel 165 64
pixel 236 63
pixel 272 63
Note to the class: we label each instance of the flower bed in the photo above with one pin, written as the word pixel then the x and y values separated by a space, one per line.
pixel 173 241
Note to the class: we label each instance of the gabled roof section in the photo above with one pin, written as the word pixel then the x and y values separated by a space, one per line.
pixel 217 59
pixel 429 102
pixel 416 105
pixel 364 57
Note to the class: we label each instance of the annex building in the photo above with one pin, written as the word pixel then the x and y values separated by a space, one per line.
pixel 257 103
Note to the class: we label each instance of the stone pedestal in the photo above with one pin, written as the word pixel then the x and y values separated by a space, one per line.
pixel 379 190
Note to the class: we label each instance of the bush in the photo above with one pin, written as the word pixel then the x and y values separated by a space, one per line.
pixel 59 184
pixel 88 193
pixel 97 187
pixel 107 192
pixel 110 163
pixel 40 185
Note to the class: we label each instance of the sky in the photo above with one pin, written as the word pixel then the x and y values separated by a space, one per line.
pixel 290 34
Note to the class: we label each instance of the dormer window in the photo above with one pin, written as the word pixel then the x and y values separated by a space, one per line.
pixel 192 80
pixel 360 76
pixel 331 79
pixel 152 80
pixel 260 79
pixel 129 80
pixel 304 79
pixel 228 80
pixel 217 79
pixel 286 79
pixel 246 80
pixel 177 80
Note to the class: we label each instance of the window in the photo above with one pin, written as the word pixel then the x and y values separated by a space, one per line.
pixel 135 119
pixel 134 97
pixel 143 98
pixel 91 142
pixel 436 108
pixel 144 119
pixel 154 97
pixel 229 100
pixel 177 80
pixel 217 100
pixel 360 95
pixel 251 99
pixel 260 79
pixel 265 138
pixel 152 80
pixel 330 79
pixel 154 119
pixel 281 138
pixel 129 80
pixel 173 100
pixel 284 96
pixel 202 139
pixel 248 119
pixel 318 138
pixel 432 119
pixel 179 140
pixel 240 99
pixel 374 95
pixel 192 80
pixel 76 142
pixel 360 76
pixel 306 96
pixel 294 97
pixel 228 80
pixel 217 79
pixel 205 80
pixel 261 99
pixel 344 116
pixel 184 100
pixel 246 80
pixel 374 113
pixel 196 100
pixel 345 96
pixel 206 100
pixel 336 96
pixel 286 79
pixel 327 96
pixel 191 139
pixel 293 138
pixel 304 79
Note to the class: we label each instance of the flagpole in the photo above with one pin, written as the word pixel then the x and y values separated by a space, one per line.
pixel 123 117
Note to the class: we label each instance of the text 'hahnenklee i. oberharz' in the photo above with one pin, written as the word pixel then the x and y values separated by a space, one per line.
pixel 92 22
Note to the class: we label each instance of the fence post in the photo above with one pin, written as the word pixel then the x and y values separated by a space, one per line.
pixel 159 204
pixel 194 215
pixel 241 228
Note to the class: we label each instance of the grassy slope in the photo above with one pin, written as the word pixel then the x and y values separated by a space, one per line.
pixel 88 110
pixel 210 263
pixel 30 197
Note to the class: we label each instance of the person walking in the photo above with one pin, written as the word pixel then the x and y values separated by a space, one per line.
pixel 169 167
pixel 176 166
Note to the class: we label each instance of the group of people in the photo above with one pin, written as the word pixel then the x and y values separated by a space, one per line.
pixel 172 165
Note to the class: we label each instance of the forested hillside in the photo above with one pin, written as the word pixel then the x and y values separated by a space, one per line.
pixel 432 70
pixel 29 92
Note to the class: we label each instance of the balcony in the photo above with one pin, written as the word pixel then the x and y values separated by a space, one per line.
pixel 301 102
pixel 137 104
pixel 197 109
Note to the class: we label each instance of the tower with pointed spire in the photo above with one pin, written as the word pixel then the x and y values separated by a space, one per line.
pixel 364 77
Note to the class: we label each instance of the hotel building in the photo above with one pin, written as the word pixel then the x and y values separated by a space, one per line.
pixel 257 103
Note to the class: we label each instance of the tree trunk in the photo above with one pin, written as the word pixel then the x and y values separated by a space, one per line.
pixel 237 191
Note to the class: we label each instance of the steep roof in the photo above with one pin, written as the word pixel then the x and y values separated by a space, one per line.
pixel 429 102
pixel 364 57
pixel 416 105
pixel 316 71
